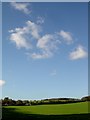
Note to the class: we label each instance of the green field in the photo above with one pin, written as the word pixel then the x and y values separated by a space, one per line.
pixel 75 111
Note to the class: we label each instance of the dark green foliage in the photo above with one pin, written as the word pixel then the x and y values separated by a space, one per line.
pixel 87 98
pixel 6 101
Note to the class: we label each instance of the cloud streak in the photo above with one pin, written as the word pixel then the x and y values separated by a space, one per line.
pixel 18 37
pixel 42 46
pixel 54 73
pixel 29 37
pixel 78 53
pixel 47 45
pixel 23 7
pixel 40 20
pixel 66 36
pixel 2 82
pixel 22 36
pixel 34 29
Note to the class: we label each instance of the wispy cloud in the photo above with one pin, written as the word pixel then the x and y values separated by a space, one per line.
pixel 42 46
pixel 53 73
pixel 78 53
pixel 40 55
pixel 44 42
pixel 22 36
pixel 23 7
pixel 40 20
pixel 18 37
pixel 29 37
pixel 2 82
pixel 67 36
pixel 48 45
pixel 38 45
pixel 34 29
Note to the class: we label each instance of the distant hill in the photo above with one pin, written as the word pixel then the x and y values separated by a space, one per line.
pixel 7 101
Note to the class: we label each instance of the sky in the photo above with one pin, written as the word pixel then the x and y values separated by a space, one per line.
pixel 45 0
pixel 45 50
pixel 0 48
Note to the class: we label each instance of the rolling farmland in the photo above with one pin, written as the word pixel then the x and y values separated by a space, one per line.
pixel 72 111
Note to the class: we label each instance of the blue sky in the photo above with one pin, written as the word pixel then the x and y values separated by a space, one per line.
pixel 46 0
pixel 0 48
pixel 45 50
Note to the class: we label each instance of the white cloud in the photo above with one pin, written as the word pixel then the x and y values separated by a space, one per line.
pixel 21 36
pixel 34 29
pixel 21 7
pixel 18 37
pixel 11 31
pixel 66 36
pixel 2 82
pixel 54 72
pixel 40 20
pixel 44 46
pixel 45 41
pixel 40 55
pixel 78 53
pixel 19 40
pixel 48 45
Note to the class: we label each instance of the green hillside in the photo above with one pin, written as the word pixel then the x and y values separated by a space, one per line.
pixel 53 112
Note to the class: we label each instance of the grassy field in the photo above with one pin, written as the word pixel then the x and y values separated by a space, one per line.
pixel 75 111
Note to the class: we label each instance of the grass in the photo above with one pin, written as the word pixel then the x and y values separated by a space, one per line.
pixel 75 111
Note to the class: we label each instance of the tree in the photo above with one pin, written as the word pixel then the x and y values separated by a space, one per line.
pixel 19 102
pixel 87 98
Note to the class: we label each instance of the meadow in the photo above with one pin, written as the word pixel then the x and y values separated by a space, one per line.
pixel 72 111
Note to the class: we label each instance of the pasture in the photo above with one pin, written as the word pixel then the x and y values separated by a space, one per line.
pixel 74 111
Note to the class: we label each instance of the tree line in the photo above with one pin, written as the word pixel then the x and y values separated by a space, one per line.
pixel 10 102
